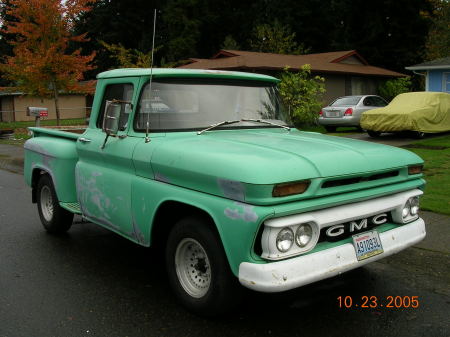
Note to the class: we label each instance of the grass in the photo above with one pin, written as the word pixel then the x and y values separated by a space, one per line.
pixel 436 154
pixel 48 122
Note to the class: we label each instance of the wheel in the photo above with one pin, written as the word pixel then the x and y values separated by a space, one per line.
pixel 374 134
pixel 54 218
pixel 330 128
pixel 418 134
pixel 198 269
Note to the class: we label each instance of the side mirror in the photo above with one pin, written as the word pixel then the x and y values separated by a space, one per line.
pixel 112 117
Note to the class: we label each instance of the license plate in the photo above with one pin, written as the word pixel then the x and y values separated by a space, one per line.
pixel 367 244
pixel 333 114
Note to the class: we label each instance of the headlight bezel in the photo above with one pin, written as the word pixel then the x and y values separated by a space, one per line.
pixel 409 204
pixel 270 235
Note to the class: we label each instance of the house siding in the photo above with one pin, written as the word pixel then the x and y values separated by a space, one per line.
pixel 14 108
pixel 7 109
pixel 435 80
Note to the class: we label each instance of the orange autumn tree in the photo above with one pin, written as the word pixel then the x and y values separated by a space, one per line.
pixel 43 64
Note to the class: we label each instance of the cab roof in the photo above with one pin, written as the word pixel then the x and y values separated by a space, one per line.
pixel 185 73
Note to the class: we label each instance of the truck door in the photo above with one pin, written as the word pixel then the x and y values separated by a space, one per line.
pixel 104 174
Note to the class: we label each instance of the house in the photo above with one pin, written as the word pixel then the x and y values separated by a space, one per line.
pixel 13 105
pixel 436 72
pixel 345 72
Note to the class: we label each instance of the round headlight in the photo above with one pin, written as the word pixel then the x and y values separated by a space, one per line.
pixel 406 210
pixel 414 204
pixel 303 235
pixel 285 239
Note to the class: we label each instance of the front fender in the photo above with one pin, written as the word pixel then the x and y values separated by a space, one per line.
pixel 237 223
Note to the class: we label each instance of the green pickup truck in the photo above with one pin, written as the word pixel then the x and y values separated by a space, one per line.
pixel 204 165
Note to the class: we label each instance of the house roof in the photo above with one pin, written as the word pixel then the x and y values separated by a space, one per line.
pixel 341 62
pixel 83 88
pixel 442 63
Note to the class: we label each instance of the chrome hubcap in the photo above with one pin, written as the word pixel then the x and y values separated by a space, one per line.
pixel 192 267
pixel 46 203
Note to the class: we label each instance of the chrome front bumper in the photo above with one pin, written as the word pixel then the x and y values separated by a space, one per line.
pixel 295 272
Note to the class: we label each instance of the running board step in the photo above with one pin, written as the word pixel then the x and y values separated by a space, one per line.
pixel 73 207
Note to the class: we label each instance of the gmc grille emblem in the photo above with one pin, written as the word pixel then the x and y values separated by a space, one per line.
pixel 356 225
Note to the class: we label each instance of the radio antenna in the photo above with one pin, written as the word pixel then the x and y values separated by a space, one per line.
pixel 147 126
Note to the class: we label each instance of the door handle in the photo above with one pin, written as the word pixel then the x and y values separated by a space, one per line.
pixel 84 140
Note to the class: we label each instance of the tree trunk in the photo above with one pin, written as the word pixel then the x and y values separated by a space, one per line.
pixel 56 99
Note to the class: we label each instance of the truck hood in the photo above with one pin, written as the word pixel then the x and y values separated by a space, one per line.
pixel 225 159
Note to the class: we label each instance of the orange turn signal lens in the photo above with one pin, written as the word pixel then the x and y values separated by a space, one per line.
pixel 415 169
pixel 285 189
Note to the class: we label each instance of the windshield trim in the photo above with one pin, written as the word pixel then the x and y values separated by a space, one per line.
pixel 213 81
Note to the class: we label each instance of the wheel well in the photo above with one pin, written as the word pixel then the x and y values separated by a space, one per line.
pixel 168 214
pixel 34 181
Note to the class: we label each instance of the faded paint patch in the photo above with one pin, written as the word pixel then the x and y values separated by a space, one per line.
pixel 94 204
pixel 241 212
pixel 232 189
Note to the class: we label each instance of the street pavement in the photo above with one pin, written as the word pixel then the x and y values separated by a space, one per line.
pixel 91 282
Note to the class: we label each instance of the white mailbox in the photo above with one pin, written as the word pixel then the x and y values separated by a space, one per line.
pixel 37 112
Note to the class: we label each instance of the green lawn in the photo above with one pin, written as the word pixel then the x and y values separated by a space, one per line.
pixel 49 122
pixel 436 154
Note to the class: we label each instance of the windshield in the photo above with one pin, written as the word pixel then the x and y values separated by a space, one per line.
pixel 194 104
pixel 344 101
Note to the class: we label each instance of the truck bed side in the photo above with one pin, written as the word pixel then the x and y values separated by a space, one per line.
pixel 52 152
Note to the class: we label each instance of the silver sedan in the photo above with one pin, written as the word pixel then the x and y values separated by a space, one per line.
pixel 347 110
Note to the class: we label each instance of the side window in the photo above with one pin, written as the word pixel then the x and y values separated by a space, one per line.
pixel 368 101
pixel 377 101
pixel 122 92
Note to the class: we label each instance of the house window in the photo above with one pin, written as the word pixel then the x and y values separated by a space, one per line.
pixel 446 84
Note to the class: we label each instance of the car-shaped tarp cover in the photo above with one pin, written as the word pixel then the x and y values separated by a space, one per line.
pixel 414 111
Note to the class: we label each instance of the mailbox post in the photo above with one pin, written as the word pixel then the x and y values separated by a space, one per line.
pixel 37 113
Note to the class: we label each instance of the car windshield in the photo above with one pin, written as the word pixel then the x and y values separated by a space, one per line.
pixel 344 101
pixel 195 104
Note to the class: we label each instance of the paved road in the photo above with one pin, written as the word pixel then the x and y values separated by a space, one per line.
pixel 91 282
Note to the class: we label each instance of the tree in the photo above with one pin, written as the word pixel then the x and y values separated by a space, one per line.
pixel 301 94
pixel 275 38
pixel 392 88
pixel 230 43
pixel 43 64
pixel 389 33
pixel 438 39
pixel 129 58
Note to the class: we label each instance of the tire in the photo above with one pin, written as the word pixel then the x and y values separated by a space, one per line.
pixel 54 218
pixel 374 134
pixel 418 134
pixel 330 128
pixel 198 269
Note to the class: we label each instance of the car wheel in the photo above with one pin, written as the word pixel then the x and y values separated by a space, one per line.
pixel 374 134
pixel 330 128
pixel 418 134
pixel 54 218
pixel 198 269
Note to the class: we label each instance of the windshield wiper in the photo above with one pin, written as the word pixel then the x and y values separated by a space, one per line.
pixel 216 125
pixel 242 120
pixel 266 122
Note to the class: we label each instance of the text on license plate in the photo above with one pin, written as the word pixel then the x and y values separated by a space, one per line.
pixel 367 244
